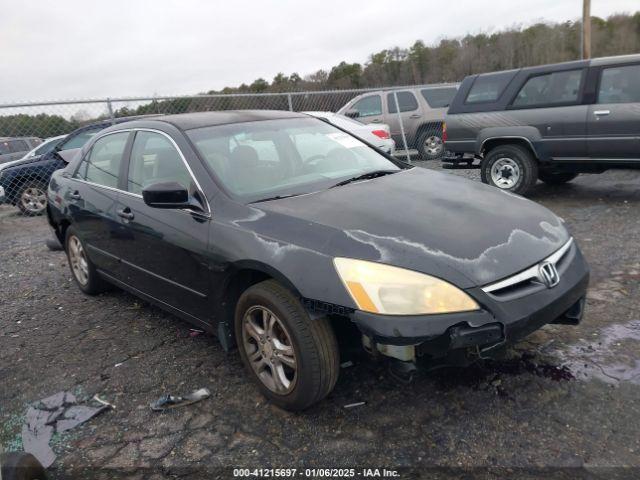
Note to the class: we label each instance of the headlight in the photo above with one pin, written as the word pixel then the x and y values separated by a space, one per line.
pixel 379 288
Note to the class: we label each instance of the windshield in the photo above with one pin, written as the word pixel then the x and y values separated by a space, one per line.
pixel 266 159
pixel 47 146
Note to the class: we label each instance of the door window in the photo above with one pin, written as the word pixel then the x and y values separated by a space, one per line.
pixel 80 139
pixel 368 106
pixel 102 164
pixel 549 89
pixel 489 87
pixel 620 85
pixel 154 159
pixel 406 101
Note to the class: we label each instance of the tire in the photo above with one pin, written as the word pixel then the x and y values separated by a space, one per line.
pixel 510 167
pixel 83 270
pixel 21 466
pixel 310 346
pixel 556 178
pixel 430 144
pixel 32 198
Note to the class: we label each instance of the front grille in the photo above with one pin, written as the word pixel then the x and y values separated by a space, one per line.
pixel 530 281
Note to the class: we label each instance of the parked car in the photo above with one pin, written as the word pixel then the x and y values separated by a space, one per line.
pixel 14 148
pixel 45 147
pixel 422 111
pixel 23 183
pixel 378 134
pixel 549 123
pixel 222 219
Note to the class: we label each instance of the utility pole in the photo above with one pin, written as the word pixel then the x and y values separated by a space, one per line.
pixel 586 29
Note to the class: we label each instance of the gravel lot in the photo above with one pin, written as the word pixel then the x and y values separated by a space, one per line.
pixel 564 397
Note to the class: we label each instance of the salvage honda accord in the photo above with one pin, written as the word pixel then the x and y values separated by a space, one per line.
pixel 283 234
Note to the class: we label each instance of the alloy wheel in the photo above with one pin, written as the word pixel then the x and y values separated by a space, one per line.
pixel 78 259
pixel 505 173
pixel 269 349
pixel 433 145
pixel 34 200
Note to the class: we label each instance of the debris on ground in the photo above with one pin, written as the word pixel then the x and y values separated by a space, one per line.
pixel 355 404
pixel 103 402
pixel 55 414
pixel 167 402
pixel 194 332
pixel 346 364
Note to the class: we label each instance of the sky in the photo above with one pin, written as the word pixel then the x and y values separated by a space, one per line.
pixel 80 49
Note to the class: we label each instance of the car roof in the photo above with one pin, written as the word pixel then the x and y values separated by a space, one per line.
pixel 188 121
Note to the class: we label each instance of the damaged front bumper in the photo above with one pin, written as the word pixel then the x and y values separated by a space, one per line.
pixel 408 337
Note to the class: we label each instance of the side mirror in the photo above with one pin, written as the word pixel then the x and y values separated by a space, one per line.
pixel 167 195
pixel 351 113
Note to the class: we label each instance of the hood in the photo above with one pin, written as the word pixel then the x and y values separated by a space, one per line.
pixel 457 229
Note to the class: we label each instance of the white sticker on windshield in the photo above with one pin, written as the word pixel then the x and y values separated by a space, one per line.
pixel 345 140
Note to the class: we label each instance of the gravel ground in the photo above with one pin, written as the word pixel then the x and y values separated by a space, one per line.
pixel 565 397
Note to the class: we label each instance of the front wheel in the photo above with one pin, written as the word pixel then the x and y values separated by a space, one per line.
pixel 556 178
pixel 510 167
pixel 293 359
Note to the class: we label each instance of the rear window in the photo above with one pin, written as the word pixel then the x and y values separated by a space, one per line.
pixel 620 85
pixel 438 97
pixel 406 101
pixel 488 88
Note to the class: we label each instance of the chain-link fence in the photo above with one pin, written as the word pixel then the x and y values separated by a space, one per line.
pixel 33 134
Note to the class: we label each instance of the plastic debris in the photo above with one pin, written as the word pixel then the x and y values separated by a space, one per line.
pixel 356 404
pixel 55 414
pixel 346 364
pixel 103 402
pixel 167 402
pixel 194 332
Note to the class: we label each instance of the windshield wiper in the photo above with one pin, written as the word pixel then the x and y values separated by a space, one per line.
pixel 276 197
pixel 366 176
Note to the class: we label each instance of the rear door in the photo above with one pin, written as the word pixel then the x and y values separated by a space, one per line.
pixel 410 112
pixel 613 127
pixel 163 251
pixel 93 196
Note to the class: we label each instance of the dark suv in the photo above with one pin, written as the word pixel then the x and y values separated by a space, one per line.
pixel 549 123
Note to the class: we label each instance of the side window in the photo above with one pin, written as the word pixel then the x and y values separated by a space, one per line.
pixel 79 140
pixel 154 159
pixel 438 97
pixel 489 87
pixel 620 85
pixel 17 146
pixel 4 148
pixel 406 101
pixel 368 106
pixel 101 165
pixel 549 89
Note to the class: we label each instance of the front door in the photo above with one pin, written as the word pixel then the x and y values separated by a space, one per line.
pixel 369 109
pixel 93 198
pixel 163 251
pixel 411 115
pixel 613 128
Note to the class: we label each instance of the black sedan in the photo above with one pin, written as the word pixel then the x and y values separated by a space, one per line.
pixel 283 234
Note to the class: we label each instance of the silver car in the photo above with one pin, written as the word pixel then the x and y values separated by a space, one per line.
pixel 15 148
pixel 422 110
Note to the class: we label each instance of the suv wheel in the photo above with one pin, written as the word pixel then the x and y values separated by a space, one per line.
pixel 430 144
pixel 32 198
pixel 511 168
pixel 83 271
pixel 556 178
pixel 293 359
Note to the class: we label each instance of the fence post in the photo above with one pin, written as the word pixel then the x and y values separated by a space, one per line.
pixel 404 137
pixel 110 108
pixel 290 102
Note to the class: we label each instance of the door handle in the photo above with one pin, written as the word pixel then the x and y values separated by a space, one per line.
pixel 415 115
pixel 600 113
pixel 75 195
pixel 126 213
pixel 376 120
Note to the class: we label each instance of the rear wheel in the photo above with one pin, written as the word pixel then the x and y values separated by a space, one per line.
pixel 430 144
pixel 510 167
pixel 293 359
pixel 83 270
pixel 32 198
pixel 556 178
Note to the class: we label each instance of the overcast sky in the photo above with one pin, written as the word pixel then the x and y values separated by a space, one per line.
pixel 71 49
